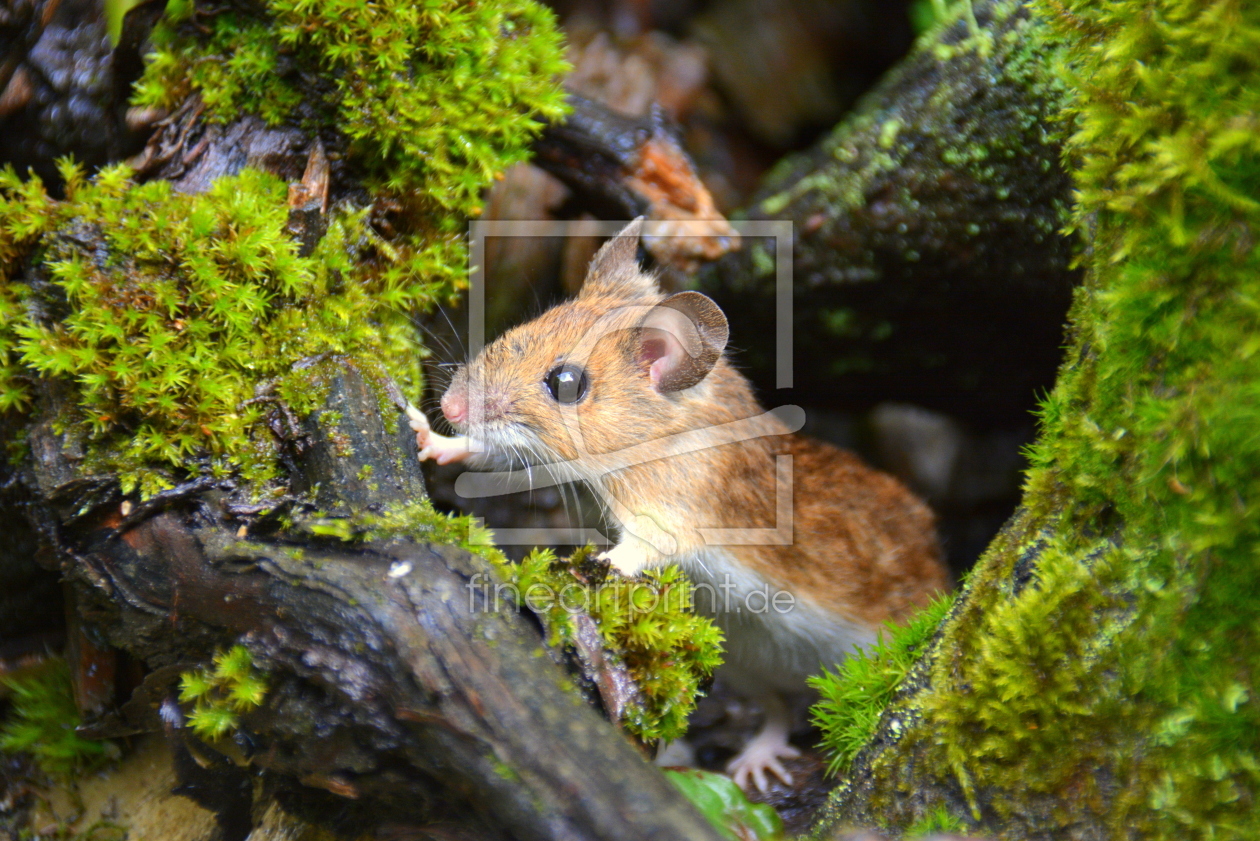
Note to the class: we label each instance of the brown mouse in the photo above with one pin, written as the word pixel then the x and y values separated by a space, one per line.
pixel 798 550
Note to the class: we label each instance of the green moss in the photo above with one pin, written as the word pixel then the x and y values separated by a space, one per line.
pixel 434 98
pixel 187 309
pixel 1100 672
pixel 939 820
pixel 42 722
pixel 417 520
pixel 180 331
pixel 1166 454
pixel 220 694
pixel 1033 658
pixel 852 699
pixel 647 621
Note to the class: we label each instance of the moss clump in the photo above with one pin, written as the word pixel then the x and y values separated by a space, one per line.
pixel 42 722
pixel 1038 656
pixel 668 649
pixel 434 98
pixel 937 821
pixel 171 313
pixel 852 698
pixel 220 694
pixel 417 520
pixel 647 621
pixel 185 310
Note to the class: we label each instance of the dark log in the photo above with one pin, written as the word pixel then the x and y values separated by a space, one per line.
pixel 927 261
pixel 395 681
pixel 30 596
pixel 591 151
pixel 621 167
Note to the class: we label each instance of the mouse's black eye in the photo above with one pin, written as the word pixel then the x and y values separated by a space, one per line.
pixel 567 383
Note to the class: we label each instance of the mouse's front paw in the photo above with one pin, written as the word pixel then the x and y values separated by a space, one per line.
pixel 758 758
pixel 628 557
pixel 419 424
pixel 440 448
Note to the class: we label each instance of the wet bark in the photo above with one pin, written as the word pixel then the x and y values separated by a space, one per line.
pixel 397 693
pixel 64 86
pixel 396 684
pixel 926 259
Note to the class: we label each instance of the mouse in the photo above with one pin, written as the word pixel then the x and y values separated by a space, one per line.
pixel 798 550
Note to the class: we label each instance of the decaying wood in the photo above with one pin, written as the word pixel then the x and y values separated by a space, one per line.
pixel 397 687
pixel 624 167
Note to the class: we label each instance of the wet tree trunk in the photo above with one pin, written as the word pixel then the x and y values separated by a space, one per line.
pixel 1097 677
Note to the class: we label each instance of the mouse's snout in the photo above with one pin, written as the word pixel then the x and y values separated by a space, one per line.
pixel 455 406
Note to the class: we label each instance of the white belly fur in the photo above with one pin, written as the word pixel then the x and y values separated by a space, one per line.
pixel 768 648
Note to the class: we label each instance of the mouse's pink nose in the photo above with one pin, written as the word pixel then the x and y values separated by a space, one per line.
pixel 455 407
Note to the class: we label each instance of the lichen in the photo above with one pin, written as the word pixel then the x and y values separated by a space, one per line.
pixel 1098 678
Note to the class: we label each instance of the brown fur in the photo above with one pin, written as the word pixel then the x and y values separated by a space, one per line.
pixel 864 546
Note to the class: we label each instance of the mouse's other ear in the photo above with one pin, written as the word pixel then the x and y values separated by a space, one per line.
pixel 680 340
pixel 615 268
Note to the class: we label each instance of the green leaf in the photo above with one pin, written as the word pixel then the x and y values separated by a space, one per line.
pixel 725 806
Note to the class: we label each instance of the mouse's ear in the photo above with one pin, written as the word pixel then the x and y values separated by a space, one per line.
pixel 615 267
pixel 680 340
